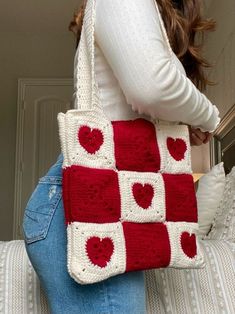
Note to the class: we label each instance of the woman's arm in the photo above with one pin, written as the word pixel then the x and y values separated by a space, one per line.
pixel 130 36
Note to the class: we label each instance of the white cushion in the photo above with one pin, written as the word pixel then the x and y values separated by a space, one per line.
pixel 209 194
pixel 194 291
pixel 20 291
pixel 223 225
pixel 207 290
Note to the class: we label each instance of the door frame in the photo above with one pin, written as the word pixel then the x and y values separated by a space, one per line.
pixel 220 143
pixel 22 85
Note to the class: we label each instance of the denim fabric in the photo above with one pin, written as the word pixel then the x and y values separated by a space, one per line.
pixel 45 240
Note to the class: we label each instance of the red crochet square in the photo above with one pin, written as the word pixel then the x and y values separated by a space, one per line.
pixel 65 194
pixel 147 245
pixel 181 204
pixel 94 195
pixel 135 146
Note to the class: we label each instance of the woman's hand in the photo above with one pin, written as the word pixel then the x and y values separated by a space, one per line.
pixel 197 137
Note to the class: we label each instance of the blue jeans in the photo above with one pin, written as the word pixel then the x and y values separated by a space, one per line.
pixel 45 240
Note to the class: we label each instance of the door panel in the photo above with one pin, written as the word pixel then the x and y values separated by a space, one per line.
pixel 38 138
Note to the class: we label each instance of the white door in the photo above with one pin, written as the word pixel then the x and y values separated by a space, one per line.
pixel 39 101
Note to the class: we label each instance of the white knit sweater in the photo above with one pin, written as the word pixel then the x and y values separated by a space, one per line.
pixel 137 74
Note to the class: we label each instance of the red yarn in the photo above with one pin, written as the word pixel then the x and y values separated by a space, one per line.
pixel 99 250
pixel 188 243
pixel 143 194
pixel 94 195
pixel 177 148
pixel 147 245
pixel 66 194
pixel 90 139
pixel 181 204
pixel 136 147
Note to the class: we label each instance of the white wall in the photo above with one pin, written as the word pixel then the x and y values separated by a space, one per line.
pixel 220 49
pixel 38 55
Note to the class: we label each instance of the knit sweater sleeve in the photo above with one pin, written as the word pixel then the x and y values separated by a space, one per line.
pixel 130 36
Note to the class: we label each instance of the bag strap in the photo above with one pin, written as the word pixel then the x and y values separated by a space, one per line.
pixel 85 85
pixel 86 88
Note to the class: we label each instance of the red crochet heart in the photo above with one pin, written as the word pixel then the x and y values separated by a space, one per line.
pixel 90 139
pixel 188 243
pixel 99 250
pixel 177 148
pixel 143 194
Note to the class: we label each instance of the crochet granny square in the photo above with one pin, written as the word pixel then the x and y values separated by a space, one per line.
pixel 128 195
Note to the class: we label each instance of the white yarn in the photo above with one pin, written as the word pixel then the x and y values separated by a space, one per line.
pixel 90 113
pixel 79 264
pixel 130 210
pixel 178 258
pixel 73 152
pixel 168 163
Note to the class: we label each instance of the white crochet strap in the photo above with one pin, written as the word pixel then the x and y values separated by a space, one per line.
pixel 86 88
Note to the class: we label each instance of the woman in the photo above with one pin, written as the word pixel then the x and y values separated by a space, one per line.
pixel 137 74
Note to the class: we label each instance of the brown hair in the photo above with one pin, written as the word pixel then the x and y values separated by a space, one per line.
pixel 183 22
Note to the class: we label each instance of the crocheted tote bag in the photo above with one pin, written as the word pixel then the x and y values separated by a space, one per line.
pixel 128 190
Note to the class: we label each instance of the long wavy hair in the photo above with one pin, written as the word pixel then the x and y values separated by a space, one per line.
pixel 185 28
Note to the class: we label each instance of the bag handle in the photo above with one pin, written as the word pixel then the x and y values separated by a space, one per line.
pixel 85 85
pixel 86 93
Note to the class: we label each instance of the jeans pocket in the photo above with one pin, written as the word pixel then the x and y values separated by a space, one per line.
pixel 41 207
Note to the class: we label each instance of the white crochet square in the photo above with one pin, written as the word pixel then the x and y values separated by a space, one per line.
pixel 179 259
pixel 61 123
pixel 74 151
pixel 173 136
pixel 131 209
pixel 80 266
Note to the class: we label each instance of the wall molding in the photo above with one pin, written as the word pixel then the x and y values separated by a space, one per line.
pixel 225 126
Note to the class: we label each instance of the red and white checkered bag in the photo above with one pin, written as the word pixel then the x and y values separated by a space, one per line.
pixel 128 190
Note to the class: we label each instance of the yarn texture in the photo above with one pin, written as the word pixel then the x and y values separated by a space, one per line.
pixel 128 190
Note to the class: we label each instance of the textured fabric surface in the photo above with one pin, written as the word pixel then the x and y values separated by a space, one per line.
pixel 20 291
pixel 103 195
pixel 110 168
pixel 208 290
pixel 209 194
pixel 130 146
pixel 223 225
pixel 133 59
